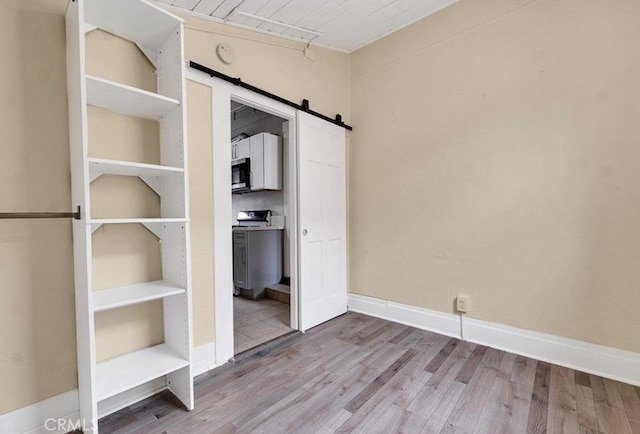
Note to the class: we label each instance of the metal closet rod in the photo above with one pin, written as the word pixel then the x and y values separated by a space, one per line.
pixel 238 82
pixel 40 215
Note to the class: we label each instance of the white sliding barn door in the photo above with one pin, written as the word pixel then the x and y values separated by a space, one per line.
pixel 322 220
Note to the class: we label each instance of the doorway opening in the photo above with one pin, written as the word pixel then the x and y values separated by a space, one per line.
pixel 261 151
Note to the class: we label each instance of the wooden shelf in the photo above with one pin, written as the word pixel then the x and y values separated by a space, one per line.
pixel 114 298
pixel 135 220
pixel 131 370
pixel 138 21
pixel 99 166
pixel 128 100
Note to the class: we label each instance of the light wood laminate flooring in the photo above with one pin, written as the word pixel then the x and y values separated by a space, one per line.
pixel 365 375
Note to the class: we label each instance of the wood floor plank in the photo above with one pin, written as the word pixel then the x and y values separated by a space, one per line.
pixel 471 365
pixel 304 383
pixel 582 379
pixel 563 412
pixel 507 407
pixel 612 416
pixel 442 356
pixel 539 409
pixel 334 422
pixel 400 336
pixel 438 419
pixel 469 407
pixel 310 412
pixel 631 401
pixel 433 392
pixel 391 419
pixel 587 417
pixel 402 388
pixel 357 402
pixel 524 370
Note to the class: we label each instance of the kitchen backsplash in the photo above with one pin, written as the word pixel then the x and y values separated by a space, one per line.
pixel 259 200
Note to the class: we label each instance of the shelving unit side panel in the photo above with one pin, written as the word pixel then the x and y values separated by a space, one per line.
pixel 78 144
pixel 176 269
pixel 170 65
pixel 172 141
pixel 181 384
pixel 175 255
pixel 171 81
pixel 85 327
pixel 173 197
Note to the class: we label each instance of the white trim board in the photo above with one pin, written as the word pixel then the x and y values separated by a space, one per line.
pixel 595 359
pixel 203 359
pixel 31 419
pixel 222 94
pixel 425 319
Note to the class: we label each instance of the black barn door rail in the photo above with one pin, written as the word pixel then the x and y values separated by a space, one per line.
pixel 40 215
pixel 238 82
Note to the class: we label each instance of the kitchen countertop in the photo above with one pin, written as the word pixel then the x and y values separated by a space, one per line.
pixel 265 228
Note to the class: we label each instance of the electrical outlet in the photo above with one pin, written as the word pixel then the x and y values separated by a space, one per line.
pixel 463 304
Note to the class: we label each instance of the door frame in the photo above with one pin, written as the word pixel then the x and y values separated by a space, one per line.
pixel 222 93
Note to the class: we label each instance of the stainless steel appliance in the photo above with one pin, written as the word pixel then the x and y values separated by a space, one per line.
pixel 254 218
pixel 241 175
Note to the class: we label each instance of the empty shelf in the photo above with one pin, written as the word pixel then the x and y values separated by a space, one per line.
pixel 139 21
pixel 128 100
pixel 99 166
pixel 131 370
pixel 135 220
pixel 114 298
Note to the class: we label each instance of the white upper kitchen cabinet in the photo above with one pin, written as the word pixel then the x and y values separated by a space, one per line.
pixel 242 149
pixel 266 162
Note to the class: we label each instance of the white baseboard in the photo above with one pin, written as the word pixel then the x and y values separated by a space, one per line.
pixel 595 359
pixel 63 410
pixel 32 418
pixel 425 319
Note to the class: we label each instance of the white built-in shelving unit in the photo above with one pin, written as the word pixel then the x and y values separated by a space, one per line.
pixel 159 35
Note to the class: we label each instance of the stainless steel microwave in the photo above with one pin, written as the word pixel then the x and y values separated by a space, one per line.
pixel 241 175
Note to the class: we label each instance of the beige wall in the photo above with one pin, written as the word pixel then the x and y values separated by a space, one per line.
pixel 201 198
pixel 37 321
pixel 274 64
pixel 495 154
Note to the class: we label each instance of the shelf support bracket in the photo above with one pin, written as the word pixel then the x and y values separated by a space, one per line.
pixel 150 54
pixel 154 228
pixel 154 183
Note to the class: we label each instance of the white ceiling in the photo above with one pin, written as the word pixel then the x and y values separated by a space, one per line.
pixel 340 24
